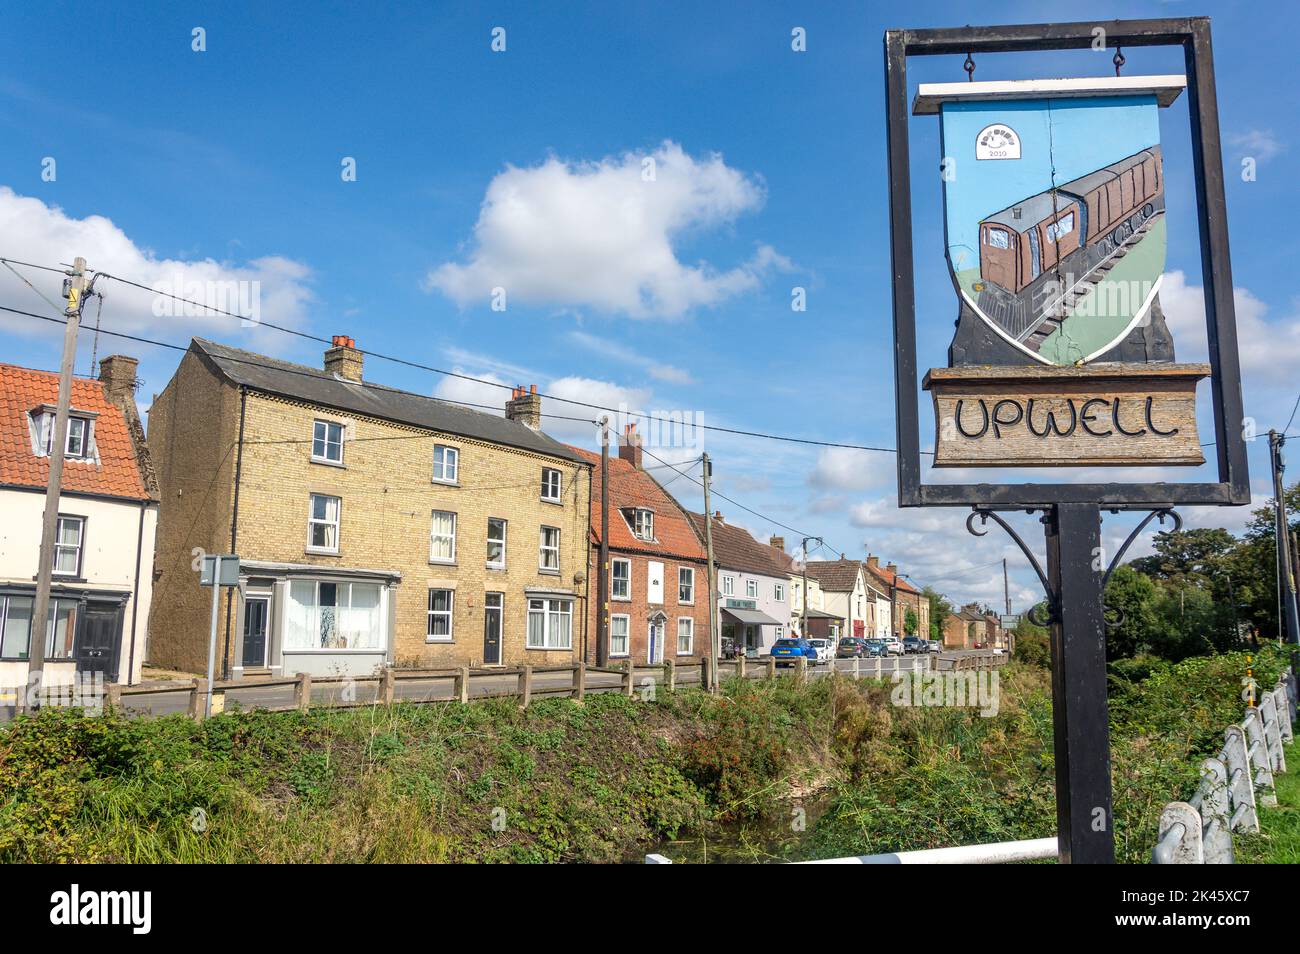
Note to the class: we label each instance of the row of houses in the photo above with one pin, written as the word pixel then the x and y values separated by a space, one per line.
pixel 374 527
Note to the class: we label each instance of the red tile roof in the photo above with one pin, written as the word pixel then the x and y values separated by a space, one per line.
pixel 629 487
pixel 891 579
pixel 116 474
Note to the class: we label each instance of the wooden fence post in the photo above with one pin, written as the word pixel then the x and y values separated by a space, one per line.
pixel 113 697
pixel 771 667
pixel 803 669
pixel 460 688
pixel 740 666
pixel 580 682
pixel 706 672
pixel 857 667
pixel 525 686
pixel 670 675
pixel 386 681
pixel 302 692
pixel 628 677
pixel 198 693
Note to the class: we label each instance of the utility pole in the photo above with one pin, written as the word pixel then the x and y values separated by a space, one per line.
pixel 602 586
pixel 1006 596
pixel 75 289
pixel 803 623
pixel 714 648
pixel 1288 620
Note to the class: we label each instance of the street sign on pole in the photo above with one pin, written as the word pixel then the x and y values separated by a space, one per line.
pixel 1054 218
pixel 216 572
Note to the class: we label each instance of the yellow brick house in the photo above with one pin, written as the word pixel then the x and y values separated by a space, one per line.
pixel 374 526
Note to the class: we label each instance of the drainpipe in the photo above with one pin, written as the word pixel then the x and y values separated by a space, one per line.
pixel 234 529
pixel 135 597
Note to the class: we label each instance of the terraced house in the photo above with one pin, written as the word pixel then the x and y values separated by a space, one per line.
pixel 374 526
pixel 659 589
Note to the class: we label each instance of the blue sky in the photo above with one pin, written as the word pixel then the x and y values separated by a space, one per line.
pixel 523 169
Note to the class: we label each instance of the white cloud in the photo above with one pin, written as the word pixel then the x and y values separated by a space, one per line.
pixel 1259 144
pixel 843 468
pixel 49 236
pixel 612 349
pixel 598 235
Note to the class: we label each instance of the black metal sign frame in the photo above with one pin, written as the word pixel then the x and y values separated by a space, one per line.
pixel 1076 573
pixel 1193 35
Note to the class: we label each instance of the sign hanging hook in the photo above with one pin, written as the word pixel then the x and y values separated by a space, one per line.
pixel 969 67
pixel 1118 59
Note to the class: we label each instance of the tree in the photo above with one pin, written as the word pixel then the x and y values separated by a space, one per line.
pixel 1031 644
pixel 940 610
pixel 911 622
pixel 1130 599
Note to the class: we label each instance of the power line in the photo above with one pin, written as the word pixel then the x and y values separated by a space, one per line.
pixel 468 377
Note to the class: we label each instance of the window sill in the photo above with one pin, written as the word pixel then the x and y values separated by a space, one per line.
pixel 329 463
pixel 313 551
pixel 552 500
pixel 544 572
pixel 439 640
pixel 499 567
pixel 687 653
pixel 620 599
pixel 549 649
pixel 442 563
pixel 444 483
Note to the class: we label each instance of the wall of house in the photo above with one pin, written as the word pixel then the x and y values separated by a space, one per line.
pixel 193 430
pixel 108 562
pixel 388 495
pixel 638 608
pixel 765 601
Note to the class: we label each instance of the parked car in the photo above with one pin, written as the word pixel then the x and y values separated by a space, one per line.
pixel 787 651
pixel 934 645
pixel 824 649
pixel 893 645
pixel 850 647
pixel 914 644
pixel 876 647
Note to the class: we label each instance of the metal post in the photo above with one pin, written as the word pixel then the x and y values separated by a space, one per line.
pixel 54 484
pixel 1084 819
pixel 212 632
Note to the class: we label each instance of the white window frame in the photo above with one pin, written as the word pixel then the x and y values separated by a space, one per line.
pixel 548 606
pixel 690 637
pixel 643 523
pixel 449 613
pixel 778 592
pixel 43 423
pixel 450 462
pixel 751 589
pixel 689 573
pixel 342 587
pixel 312 521
pixel 552 475
pixel 627 635
pixel 780 631
pixel 505 534
pixel 78 549
pixel 614 579
pixel 543 549
pixel 442 536
pixel 728 585
pixel 326 443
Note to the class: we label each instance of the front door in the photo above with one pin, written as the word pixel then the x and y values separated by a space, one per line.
pixel 752 640
pixel 492 629
pixel 97 637
pixel 655 647
pixel 256 613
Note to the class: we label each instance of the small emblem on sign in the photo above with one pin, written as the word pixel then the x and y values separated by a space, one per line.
pixel 997 141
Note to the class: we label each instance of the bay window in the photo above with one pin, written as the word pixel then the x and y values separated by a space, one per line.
pixel 550 624
pixel 327 615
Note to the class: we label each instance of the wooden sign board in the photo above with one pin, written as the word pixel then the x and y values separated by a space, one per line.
pixel 1043 416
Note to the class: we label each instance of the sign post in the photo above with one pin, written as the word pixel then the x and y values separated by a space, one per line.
pixel 216 572
pixel 1054 224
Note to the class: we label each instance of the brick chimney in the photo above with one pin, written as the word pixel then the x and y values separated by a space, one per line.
pixel 525 406
pixel 891 568
pixel 344 359
pixel 629 446
pixel 717 516
pixel 873 561
pixel 117 374
pixel 778 543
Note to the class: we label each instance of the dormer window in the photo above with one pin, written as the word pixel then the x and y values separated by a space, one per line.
pixel 80 442
pixel 642 522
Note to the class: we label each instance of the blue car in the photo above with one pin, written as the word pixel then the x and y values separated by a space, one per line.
pixel 786 652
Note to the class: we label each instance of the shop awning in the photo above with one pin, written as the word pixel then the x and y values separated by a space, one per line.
pixel 750 617
pixel 821 614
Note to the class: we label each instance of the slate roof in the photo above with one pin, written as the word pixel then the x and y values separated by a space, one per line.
pixel 735 549
pixel 837 576
pixel 115 474
pixel 316 386
pixel 629 487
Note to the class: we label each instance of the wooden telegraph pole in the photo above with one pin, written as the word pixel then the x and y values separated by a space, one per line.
pixel 1288 621
pixel 75 290
pixel 714 648
pixel 602 584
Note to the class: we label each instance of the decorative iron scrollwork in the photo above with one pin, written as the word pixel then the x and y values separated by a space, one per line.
pixel 1052 596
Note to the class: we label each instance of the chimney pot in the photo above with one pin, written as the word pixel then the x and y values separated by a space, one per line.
pixel 629 446
pixel 717 515
pixel 778 542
